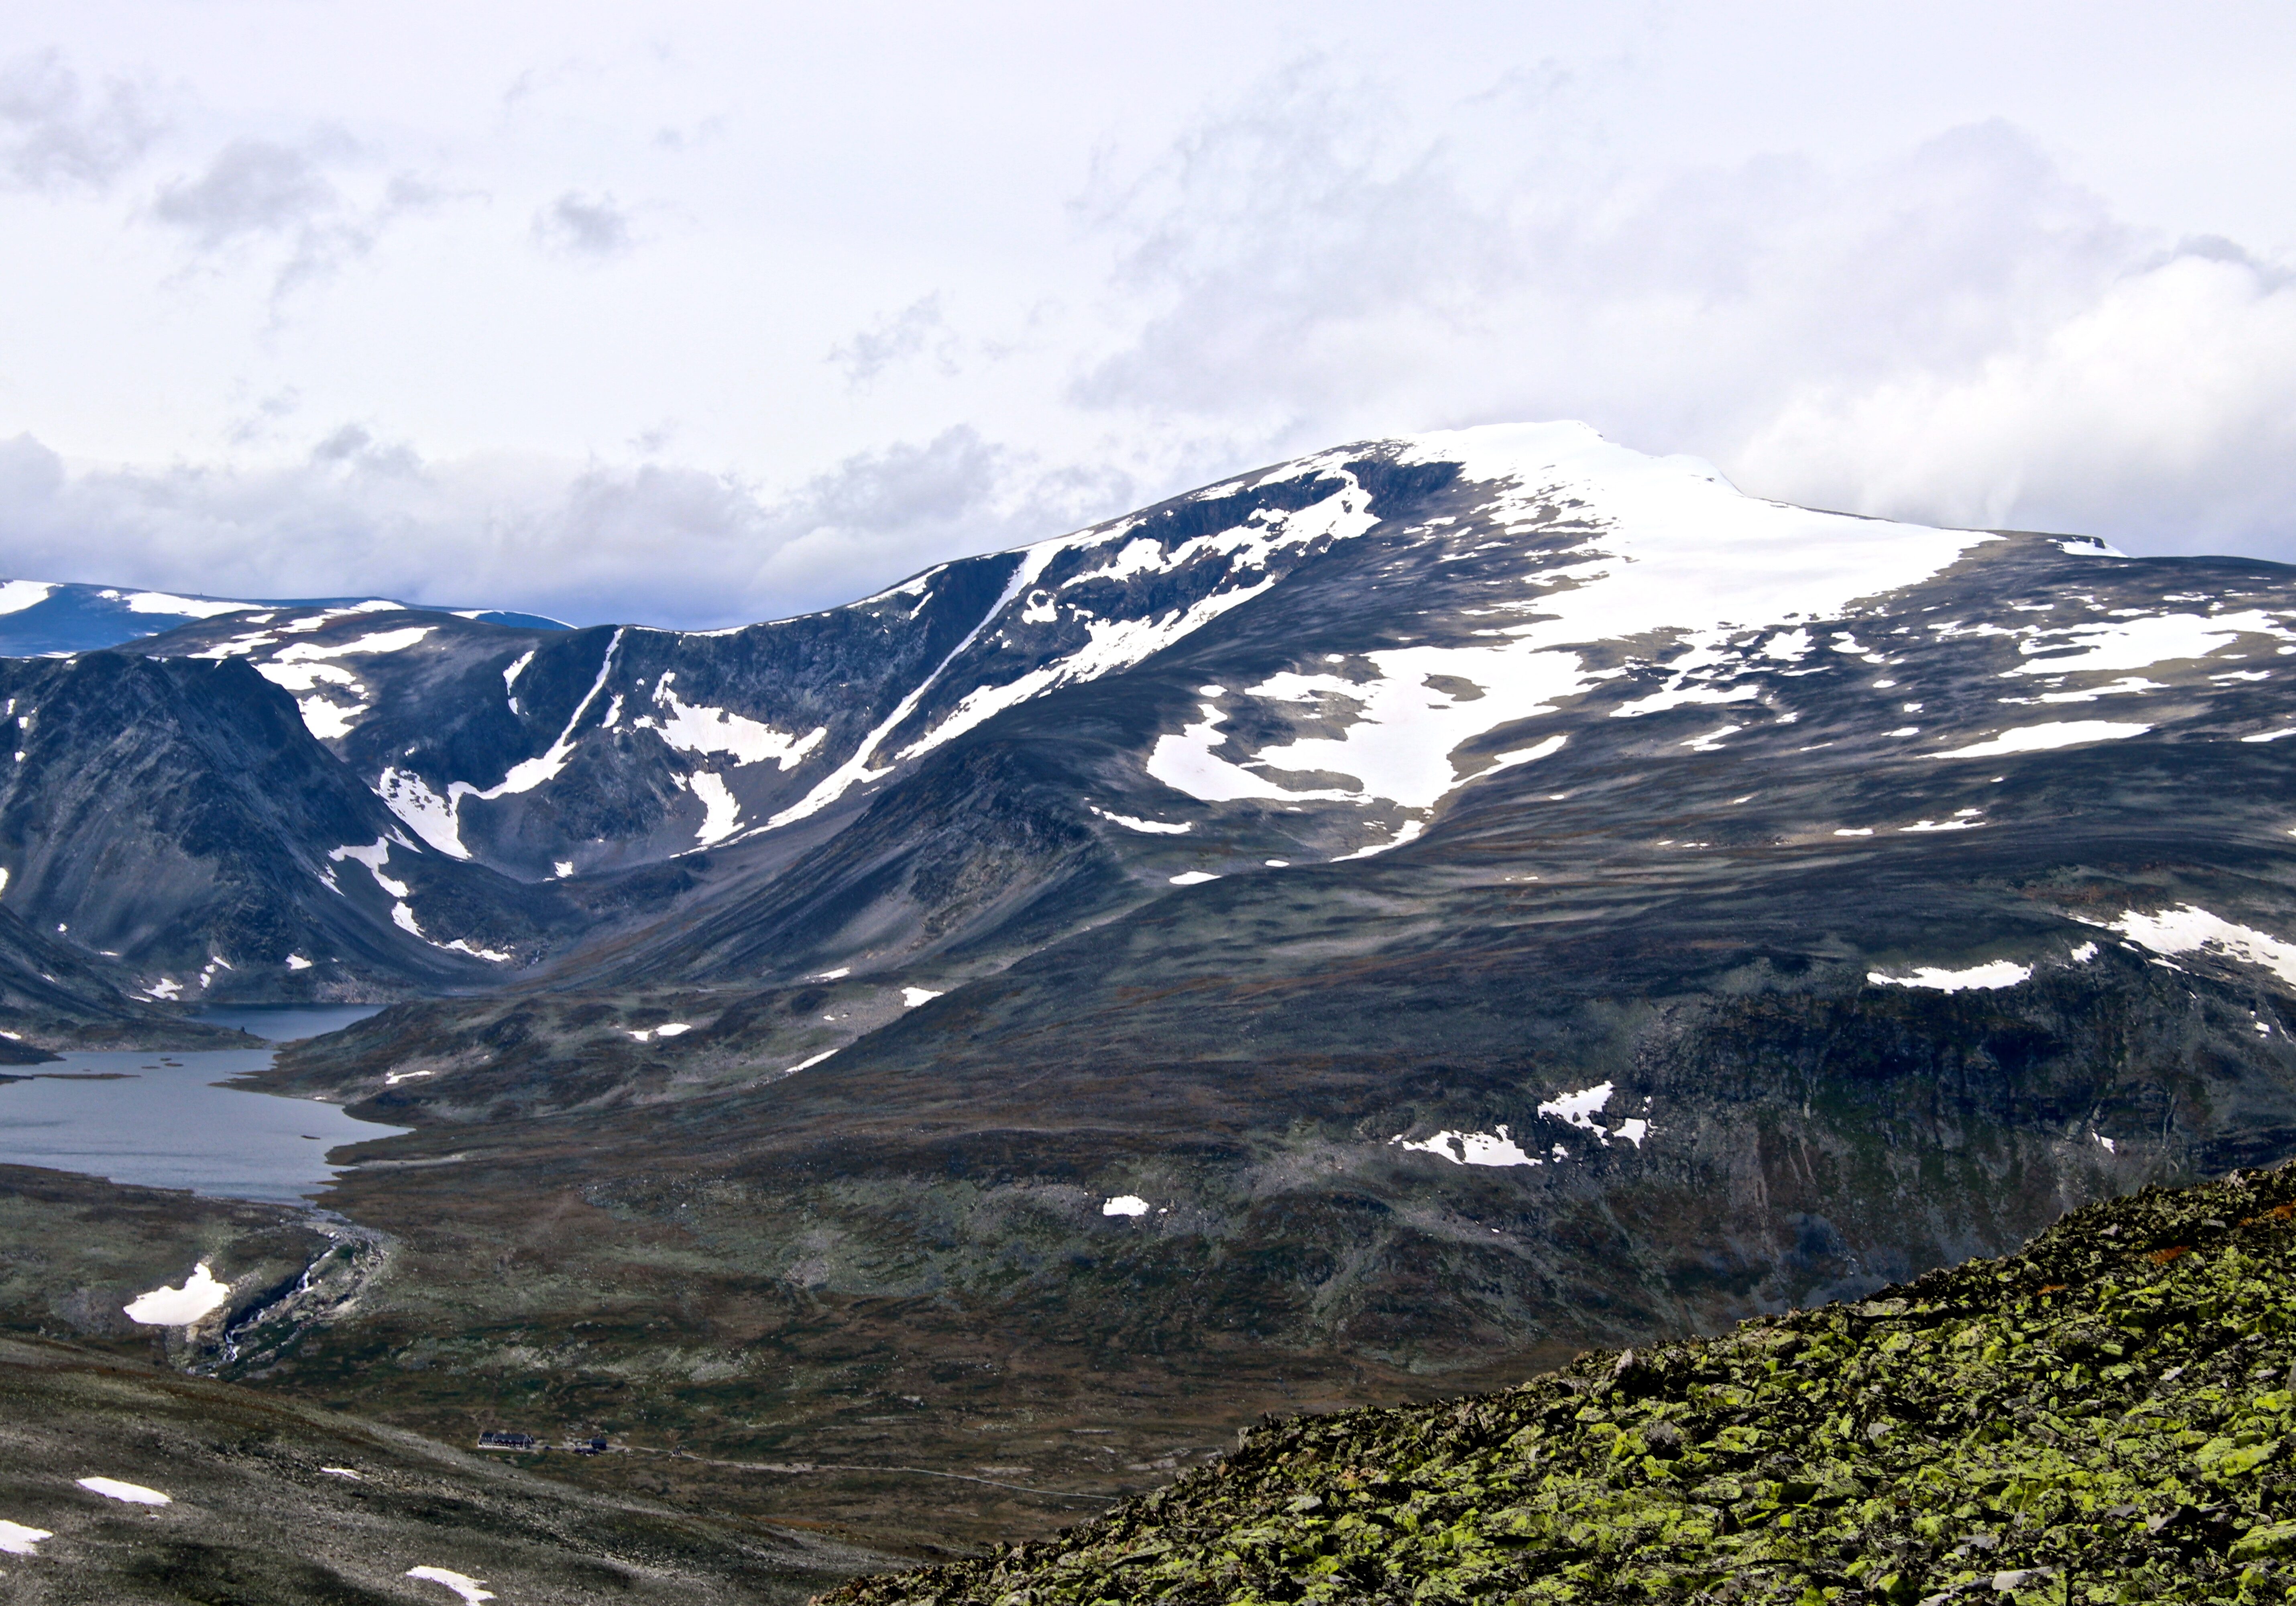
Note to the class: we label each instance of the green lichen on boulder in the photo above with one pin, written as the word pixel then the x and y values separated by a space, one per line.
pixel 2109 1416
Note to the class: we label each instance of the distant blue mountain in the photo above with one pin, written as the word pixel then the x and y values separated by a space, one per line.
pixel 45 618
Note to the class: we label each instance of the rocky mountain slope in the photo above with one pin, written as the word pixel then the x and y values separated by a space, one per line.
pixel 1369 928
pixel 1390 628
pixel 175 817
pixel 2105 1416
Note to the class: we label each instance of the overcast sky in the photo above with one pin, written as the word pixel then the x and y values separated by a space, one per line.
pixel 693 314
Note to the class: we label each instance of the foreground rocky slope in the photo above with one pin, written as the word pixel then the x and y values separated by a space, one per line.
pixel 207 1492
pixel 2106 1416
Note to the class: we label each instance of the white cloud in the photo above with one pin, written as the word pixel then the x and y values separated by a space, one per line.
pixel 253 187
pixel 1057 270
pixel 917 330
pixel 649 543
pixel 1957 332
pixel 2161 414
pixel 54 136
pixel 583 226
pixel 258 193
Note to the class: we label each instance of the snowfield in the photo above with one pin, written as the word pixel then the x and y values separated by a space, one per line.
pixel 1993 975
pixel 170 1306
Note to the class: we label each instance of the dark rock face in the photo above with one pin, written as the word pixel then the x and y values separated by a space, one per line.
pixel 175 817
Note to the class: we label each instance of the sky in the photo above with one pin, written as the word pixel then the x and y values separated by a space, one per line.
pixel 693 314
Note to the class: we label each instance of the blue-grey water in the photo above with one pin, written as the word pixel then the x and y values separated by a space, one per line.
pixel 159 1120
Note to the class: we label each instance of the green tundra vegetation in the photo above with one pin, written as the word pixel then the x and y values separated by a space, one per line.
pixel 2108 1416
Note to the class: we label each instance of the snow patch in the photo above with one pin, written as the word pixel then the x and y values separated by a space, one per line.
pixel 1193 878
pixel 167 1307
pixel 2042 738
pixel 380 642
pixel 1125 1203
pixel 461 1584
pixel 1682 697
pixel 2126 686
pixel 1471 1147
pixel 1185 762
pixel 1523 755
pixel 1991 975
pixel 911 997
pixel 296 961
pixel 423 812
pixel 692 729
pixel 1580 1109
pixel 1404 725
pixel 189 607
pixel 1154 827
pixel 721 812
pixel 133 1493
pixel 375 858
pixel 2139 643
pixel 2188 928
pixel 17 595
pixel 15 1538
pixel 1408 832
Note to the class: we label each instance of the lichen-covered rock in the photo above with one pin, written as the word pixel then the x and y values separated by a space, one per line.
pixel 2109 1416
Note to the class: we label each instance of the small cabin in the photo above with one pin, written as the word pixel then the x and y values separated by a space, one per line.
pixel 507 1441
